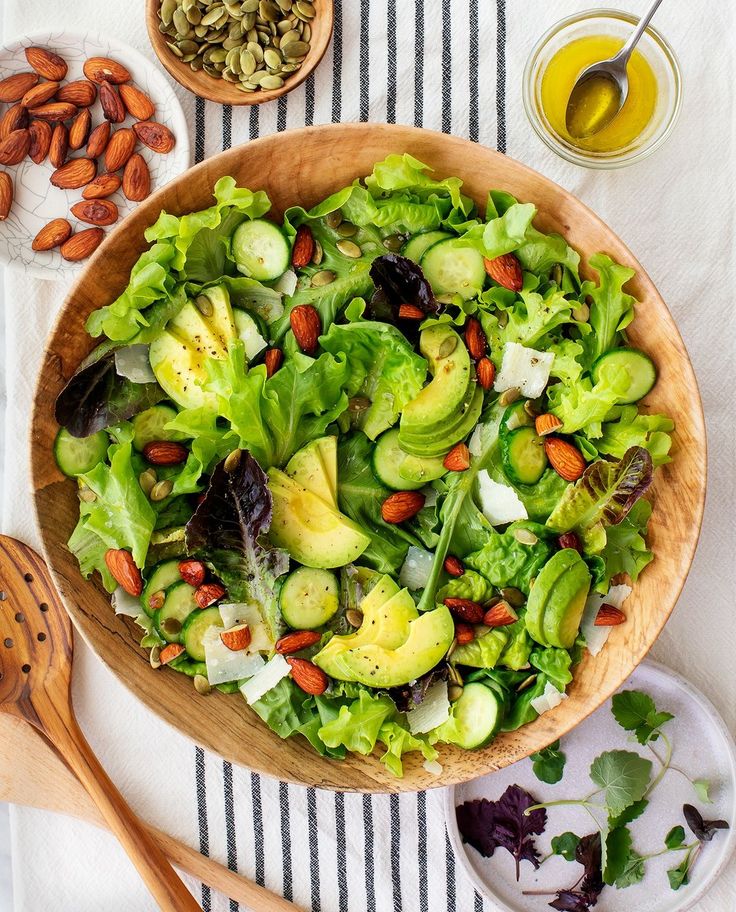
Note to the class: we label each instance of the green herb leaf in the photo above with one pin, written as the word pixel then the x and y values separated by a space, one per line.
pixel 618 850
pixel 632 872
pixel 566 845
pixel 623 776
pixel 702 790
pixel 549 763
pixel 675 838
pixel 630 814
pixel 635 711
pixel 680 875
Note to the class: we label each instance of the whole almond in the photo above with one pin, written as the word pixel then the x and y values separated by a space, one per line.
pixel 458 459
pixel 46 63
pixel 54 111
pixel 123 570
pixel 80 245
pixel 272 359
pixel 466 609
pixel 192 572
pixel 500 615
pixel 296 641
pixel 81 93
pixel 303 249
pixel 609 616
pixel 15 118
pixel 475 338
pixel 208 594
pixel 136 102
pixel 41 133
pixel 59 144
pixel 79 129
pixel 506 271
pixel 411 312
pixel 565 459
pixel 15 87
pixel 39 94
pixel 104 69
pixel 52 235
pixel 485 373
pixel 74 174
pixel 401 505
pixel 103 185
pixel 112 105
pixel 157 452
pixel 453 565
pixel 307 676
pixel 136 178
pixel 306 326
pixel 155 135
pixel 464 633
pixel 98 140
pixel 119 149
pixel 14 147
pixel 6 195
pixel 100 212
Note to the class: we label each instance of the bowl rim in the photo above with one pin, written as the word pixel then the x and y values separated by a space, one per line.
pixel 205 86
pixel 609 161
pixel 354 773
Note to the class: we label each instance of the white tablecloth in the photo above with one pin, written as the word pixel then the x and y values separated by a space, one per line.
pixel 676 211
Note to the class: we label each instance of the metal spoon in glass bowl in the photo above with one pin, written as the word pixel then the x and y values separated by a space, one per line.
pixel 601 90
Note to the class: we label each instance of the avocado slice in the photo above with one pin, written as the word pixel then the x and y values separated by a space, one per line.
pixel 557 600
pixel 440 443
pixel 179 354
pixel 312 531
pixel 328 449
pixel 307 468
pixel 430 636
pixel 449 364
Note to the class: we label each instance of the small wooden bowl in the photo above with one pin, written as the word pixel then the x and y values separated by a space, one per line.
pixel 223 92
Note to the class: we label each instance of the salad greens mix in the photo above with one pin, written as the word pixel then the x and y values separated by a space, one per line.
pixel 377 467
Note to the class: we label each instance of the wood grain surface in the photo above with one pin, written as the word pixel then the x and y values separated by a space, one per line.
pixel 223 92
pixel 304 166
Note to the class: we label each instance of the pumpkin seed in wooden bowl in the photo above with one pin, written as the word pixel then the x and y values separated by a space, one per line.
pixel 240 52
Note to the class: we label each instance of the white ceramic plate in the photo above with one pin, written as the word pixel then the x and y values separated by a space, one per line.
pixel 36 201
pixel 703 747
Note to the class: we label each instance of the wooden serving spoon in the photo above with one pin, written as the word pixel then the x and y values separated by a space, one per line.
pixel 35 685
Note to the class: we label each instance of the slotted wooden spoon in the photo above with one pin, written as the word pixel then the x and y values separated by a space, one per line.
pixel 35 685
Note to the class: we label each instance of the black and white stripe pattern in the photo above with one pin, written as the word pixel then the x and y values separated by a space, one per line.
pixel 440 64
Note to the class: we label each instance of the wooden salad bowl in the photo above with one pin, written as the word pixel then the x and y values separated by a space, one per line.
pixel 321 160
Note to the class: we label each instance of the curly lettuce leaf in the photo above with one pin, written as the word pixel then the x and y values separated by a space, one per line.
pixel 519 646
pixel 275 417
pixel 612 309
pixel 603 496
pixel 358 724
pixel 383 367
pixel 554 664
pixel 502 233
pixel 528 319
pixel 566 366
pixel 209 444
pixel 90 549
pixel 471 585
pixel 626 549
pixel 504 561
pixel 584 406
pixel 629 428
pixel 228 529
pixel 398 741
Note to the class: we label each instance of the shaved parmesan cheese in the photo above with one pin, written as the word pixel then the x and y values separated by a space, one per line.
pixel 132 362
pixel 432 711
pixel 275 670
pixel 225 664
pixel 500 503
pixel 416 568
pixel 234 613
pixel 126 604
pixel 433 767
pixel 525 369
pixel 474 445
pixel 595 637
pixel 551 698
pixel 286 284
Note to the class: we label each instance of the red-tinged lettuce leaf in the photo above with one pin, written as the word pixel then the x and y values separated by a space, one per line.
pixel 410 695
pixel 603 496
pixel 228 531
pixel 398 281
pixel 97 397
pixel 487 825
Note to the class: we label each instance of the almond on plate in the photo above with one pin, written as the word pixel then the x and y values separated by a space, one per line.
pixel 506 271
pixel 52 235
pixel 54 111
pixel 192 572
pixel 81 245
pixel 103 185
pixel 208 594
pixel 104 69
pixel 466 609
pixel 500 615
pixel 303 249
pixel 98 139
pixel 453 565
pixel 547 424
pixel 411 312
pixel 609 616
pixel 475 338
pixel 155 135
pixel 15 118
pixel 485 372
pixel 124 571
pixel 159 452
pixel 112 105
pixel 273 359
pixel 74 174
pixel 458 459
pixel 13 88
pixel 40 133
pixel 100 212
pixel 6 195
pixel 236 638
pixel 136 178
pixel 39 94
pixel 79 130
pixel 81 93
pixel 14 147
pixel 119 149
pixel 46 63
pixel 170 652
pixel 296 641
pixel 59 145
pixel 136 102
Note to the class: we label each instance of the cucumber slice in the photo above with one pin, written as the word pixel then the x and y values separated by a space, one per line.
pixel 640 368
pixel 523 456
pixel 261 250
pixel 452 269
pixel 416 246
pixel 162 576
pixel 194 629
pixel 514 417
pixel 386 461
pixel 76 455
pixel 179 604
pixel 150 425
pixel 476 717
pixel 249 331
pixel 308 598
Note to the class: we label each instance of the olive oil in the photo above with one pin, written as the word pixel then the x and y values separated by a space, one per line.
pixel 561 74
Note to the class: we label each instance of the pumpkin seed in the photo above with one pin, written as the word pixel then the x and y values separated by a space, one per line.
pixel 525 536
pixel 454 692
pixel 297 49
pixel 249 23
pixel 318 254
pixel 289 37
pixel 166 12
pixel 232 461
pixel 269 11
pixel 245 87
pixel 200 31
pixel 333 219
pixel 306 32
pixel 186 5
pixel 393 242
pixel 354 617
pixel 188 47
pixel 196 64
pixel 161 490
pixel 447 346
pixel 213 15
pixel 247 63
pixel 211 71
pixel 155 657
pixel 249 6
pixel 218 56
pixel 527 682
pixel 358 404
pixel 87 495
pixel 581 314
pixel 174 49
pixel 272 82
pixel 172 626
pixel 285 5
pixel 326 277
pixel 229 76
pixel 181 23
pixel 515 597
pixel 452 648
pixel 272 58
pixel 304 9
pixel 194 16
pixel 290 67
pixel 349 249
pixel 202 685
pixel 256 77
pixel 347 229
pixel 509 396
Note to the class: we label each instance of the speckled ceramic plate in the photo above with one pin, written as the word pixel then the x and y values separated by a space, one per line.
pixel 703 747
pixel 36 201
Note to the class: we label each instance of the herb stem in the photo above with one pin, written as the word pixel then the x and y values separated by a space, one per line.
pixel 665 764
pixel 583 802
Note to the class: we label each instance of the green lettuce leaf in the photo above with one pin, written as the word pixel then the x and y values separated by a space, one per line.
pixel 482 652
pixel 209 444
pixel 470 585
pixel 602 497
pixel 357 725
pixel 566 366
pixel 471 527
pixel 584 406
pixel 612 309
pixel 274 417
pixel 554 664
pixel 398 741
pixel 626 549
pixel 519 646
pixel 383 367
pixel 633 429
pixel 504 561
pixel 90 549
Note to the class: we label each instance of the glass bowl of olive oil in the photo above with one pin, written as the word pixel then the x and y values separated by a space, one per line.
pixel 655 89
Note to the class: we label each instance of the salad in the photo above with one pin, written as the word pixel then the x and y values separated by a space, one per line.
pixel 379 469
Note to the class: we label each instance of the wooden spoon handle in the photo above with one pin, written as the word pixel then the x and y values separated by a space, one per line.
pixel 145 853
